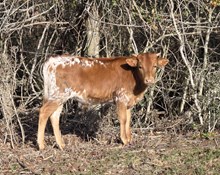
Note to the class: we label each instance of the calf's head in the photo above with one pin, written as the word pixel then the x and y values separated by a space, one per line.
pixel 146 64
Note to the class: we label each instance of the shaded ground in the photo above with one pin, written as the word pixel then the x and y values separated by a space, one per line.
pixel 150 153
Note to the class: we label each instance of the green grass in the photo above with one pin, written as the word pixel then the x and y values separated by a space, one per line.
pixel 193 161
pixel 190 161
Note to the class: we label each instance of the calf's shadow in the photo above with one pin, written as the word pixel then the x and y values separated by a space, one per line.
pixel 75 119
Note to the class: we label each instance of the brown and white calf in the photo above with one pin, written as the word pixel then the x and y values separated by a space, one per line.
pixel 122 80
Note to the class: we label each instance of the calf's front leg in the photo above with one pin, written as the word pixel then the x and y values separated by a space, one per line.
pixel 122 116
pixel 127 126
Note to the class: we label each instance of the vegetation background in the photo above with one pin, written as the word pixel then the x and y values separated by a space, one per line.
pixel 185 99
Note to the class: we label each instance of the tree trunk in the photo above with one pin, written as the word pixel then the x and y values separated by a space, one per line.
pixel 93 36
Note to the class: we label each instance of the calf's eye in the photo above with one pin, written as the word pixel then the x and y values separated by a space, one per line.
pixel 140 67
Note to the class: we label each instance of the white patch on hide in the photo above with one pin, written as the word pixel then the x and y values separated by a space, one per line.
pixel 123 96
pixel 99 62
pixel 71 60
pixel 78 95
pixel 51 90
pixel 87 63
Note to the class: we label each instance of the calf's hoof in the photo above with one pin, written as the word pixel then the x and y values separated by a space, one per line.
pixel 61 146
pixel 41 146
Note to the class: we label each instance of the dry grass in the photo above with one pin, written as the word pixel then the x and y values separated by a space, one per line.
pixel 150 153
pixel 93 147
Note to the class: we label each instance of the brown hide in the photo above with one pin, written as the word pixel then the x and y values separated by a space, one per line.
pixel 99 82
pixel 121 79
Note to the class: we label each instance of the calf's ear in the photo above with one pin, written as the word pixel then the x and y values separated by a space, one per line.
pixel 132 62
pixel 158 54
pixel 162 62
pixel 134 55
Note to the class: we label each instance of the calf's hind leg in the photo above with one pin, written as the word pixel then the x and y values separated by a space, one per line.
pixel 55 119
pixel 46 111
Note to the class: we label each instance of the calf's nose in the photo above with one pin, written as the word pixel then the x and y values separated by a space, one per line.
pixel 149 81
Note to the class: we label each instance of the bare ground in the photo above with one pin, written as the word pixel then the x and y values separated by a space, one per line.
pixel 100 152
